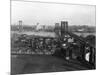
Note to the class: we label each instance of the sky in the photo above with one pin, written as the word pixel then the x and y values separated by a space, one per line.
pixel 32 13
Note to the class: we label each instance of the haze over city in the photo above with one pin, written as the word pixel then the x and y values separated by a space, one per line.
pixel 48 14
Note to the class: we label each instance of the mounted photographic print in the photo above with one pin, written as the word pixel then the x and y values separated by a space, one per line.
pixel 52 37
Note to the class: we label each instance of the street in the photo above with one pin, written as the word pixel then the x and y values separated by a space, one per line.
pixel 23 64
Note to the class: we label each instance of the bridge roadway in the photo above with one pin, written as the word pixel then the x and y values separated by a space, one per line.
pixel 23 64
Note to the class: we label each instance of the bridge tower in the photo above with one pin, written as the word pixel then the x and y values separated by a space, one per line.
pixel 64 27
pixel 57 29
pixel 20 26
pixel 64 38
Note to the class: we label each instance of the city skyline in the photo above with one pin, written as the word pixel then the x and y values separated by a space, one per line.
pixel 49 14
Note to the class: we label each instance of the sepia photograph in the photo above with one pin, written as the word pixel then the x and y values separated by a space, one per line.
pixel 52 37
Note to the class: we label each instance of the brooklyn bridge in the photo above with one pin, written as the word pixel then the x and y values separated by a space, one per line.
pixel 65 52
